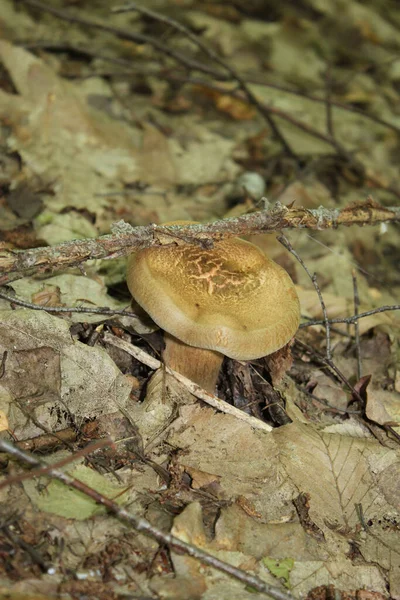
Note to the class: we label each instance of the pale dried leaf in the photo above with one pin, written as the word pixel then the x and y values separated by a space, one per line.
pixel 3 421
pixel 332 468
pixel 53 376
pixel 378 403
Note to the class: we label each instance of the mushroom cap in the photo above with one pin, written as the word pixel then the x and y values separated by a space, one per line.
pixel 231 298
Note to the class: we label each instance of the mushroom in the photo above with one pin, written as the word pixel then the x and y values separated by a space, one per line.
pixel 230 300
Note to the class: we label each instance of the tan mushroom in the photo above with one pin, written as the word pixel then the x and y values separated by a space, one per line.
pixel 230 300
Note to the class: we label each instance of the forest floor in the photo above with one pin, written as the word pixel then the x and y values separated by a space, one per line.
pixel 109 116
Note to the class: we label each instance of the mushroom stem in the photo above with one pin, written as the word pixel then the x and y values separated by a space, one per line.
pixel 197 364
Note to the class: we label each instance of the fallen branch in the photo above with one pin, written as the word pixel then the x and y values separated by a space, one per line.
pixel 15 264
pixel 143 526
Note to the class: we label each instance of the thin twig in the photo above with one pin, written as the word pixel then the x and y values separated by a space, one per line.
pixel 44 469
pixel 353 319
pixel 326 403
pixel 285 242
pixel 236 76
pixel 329 363
pixel 328 100
pixel 3 363
pixel 35 555
pixel 124 34
pixel 143 526
pixel 356 325
pixel 47 442
pixel 193 388
pixel 51 45
pixel 65 309
pixel 324 312
pixel 327 360
pixel 167 74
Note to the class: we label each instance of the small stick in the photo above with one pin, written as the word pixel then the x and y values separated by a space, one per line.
pixel 36 557
pixel 353 319
pixel 43 468
pixel 193 388
pixel 328 101
pixel 285 242
pixel 64 309
pixel 356 325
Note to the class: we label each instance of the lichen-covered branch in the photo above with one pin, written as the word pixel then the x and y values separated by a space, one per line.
pixel 125 239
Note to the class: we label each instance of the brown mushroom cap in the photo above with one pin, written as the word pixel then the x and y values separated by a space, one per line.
pixel 231 299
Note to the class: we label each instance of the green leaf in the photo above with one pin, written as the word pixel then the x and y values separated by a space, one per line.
pixel 280 568
pixel 57 498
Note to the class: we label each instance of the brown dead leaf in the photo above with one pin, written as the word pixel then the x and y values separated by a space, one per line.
pixel 3 421
pixel 234 107
pixel 200 479
pixel 50 295
pixel 188 526
pixel 237 531
pixel 50 376
pixel 375 409
pixel 383 540
pixel 247 506
pixel 160 407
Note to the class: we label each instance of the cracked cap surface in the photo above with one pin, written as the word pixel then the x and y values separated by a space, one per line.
pixel 232 298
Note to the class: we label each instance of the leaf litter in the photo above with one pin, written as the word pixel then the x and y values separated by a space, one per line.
pixel 311 505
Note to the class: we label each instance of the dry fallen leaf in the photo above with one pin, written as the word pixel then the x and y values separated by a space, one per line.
pixel 3 421
pixel 51 376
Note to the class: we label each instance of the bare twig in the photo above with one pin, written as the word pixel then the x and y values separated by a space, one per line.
pixel 326 404
pixel 356 325
pixel 124 34
pixel 44 469
pixel 285 242
pixel 3 363
pixel 327 360
pixel 328 100
pixel 329 363
pixel 17 264
pixel 65 309
pixel 35 555
pixel 67 47
pixel 143 526
pixel 353 319
pixel 251 97
pixel 193 388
